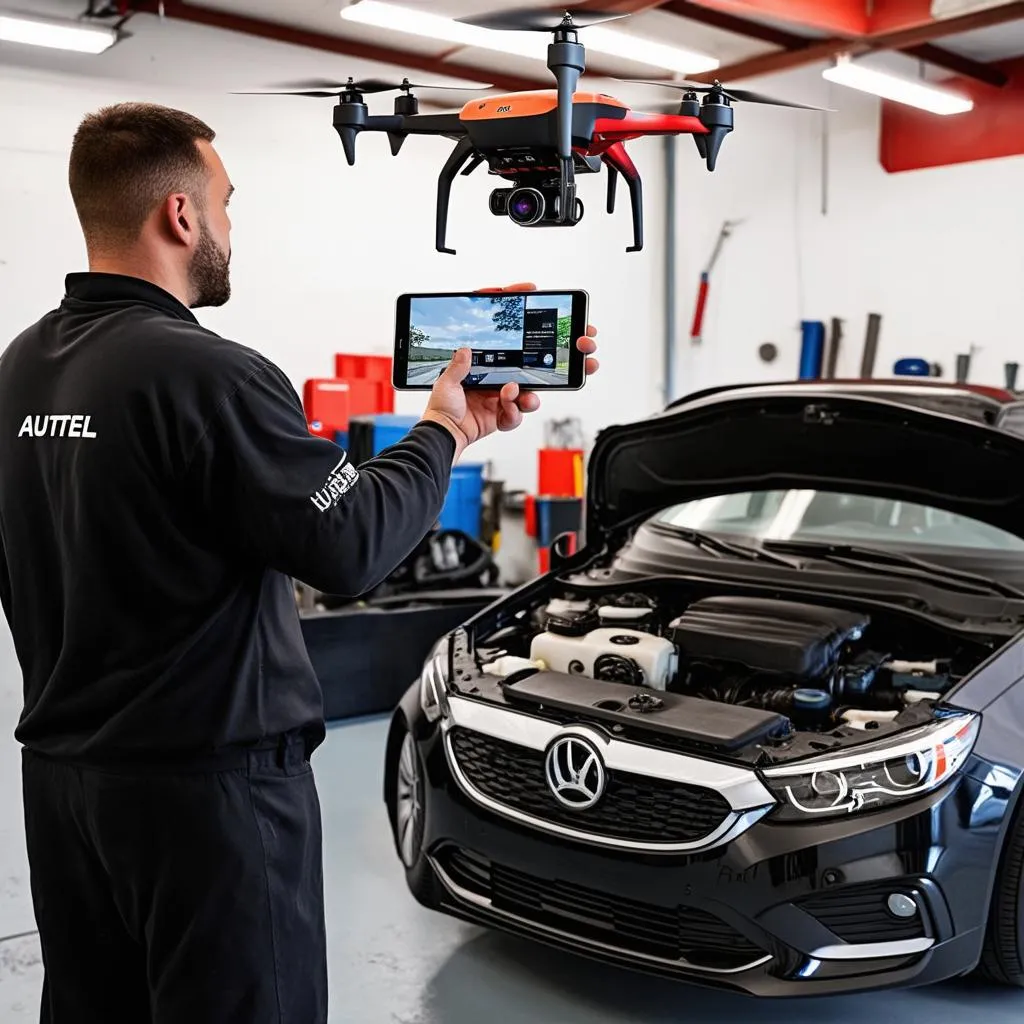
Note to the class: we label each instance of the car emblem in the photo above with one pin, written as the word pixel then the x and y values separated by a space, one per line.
pixel 575 773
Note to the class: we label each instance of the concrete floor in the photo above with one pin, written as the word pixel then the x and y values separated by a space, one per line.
pixel 393 962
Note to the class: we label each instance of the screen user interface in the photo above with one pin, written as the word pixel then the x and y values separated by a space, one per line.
pixel 520 338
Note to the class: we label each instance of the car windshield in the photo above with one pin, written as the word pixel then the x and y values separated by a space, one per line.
pixel 832 517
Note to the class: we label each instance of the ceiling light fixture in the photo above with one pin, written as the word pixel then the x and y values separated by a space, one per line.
pixel 397 18
pixel 899 90
pixel 56 33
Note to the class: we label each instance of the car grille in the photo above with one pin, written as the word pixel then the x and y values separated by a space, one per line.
pixel 859 913
pixel 680 934
pixel 634 807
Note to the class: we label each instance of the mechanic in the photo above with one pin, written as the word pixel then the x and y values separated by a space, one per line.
pixel 159 490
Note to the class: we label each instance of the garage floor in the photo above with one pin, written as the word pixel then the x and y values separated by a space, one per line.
pixel 393 962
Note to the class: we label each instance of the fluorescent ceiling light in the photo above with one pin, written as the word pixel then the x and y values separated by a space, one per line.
pixel 523 44
pixel 900 90
pixel 58 34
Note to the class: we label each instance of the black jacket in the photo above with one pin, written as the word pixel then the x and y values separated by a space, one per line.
pixel 159 489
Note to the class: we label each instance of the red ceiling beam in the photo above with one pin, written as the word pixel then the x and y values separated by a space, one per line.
pixel 334 44
pixel 990 74
pixel 732 23
pixel 839 17
pixel 895 15
pixel 905 39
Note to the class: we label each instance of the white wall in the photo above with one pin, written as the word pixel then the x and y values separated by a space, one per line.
pixel 938 252
pixel 320 251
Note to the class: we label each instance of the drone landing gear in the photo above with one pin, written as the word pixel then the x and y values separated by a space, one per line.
pixel 463 153
pixel 619 162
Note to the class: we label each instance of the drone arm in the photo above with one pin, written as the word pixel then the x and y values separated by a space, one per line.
pixel 635 124
pixel 462 152
pixel 620 162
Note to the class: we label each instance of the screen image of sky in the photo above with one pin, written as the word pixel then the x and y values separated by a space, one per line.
pixel 479 321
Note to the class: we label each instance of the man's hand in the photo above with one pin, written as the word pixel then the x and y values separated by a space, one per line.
pixel 471 415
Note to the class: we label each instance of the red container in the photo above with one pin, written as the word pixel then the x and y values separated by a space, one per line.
pixel 354 366
pixel 327 401
pixel 560 472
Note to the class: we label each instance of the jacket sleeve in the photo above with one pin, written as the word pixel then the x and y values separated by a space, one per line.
pixel 294 502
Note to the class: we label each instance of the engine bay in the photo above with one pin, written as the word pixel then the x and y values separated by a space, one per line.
pixel 767 676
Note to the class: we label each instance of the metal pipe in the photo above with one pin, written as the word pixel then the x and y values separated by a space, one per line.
pixel 669 359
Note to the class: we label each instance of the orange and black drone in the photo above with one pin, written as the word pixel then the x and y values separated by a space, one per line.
pixel 540 141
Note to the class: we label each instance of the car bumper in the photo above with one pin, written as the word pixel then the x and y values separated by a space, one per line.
pixel 782 910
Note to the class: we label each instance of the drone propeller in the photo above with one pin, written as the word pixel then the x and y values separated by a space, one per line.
pixel 740 95
pixel 328 87
pixel 532 19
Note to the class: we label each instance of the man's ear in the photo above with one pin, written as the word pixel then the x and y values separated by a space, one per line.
pixel 179 218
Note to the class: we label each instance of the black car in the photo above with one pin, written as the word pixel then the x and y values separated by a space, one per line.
pixel 765 730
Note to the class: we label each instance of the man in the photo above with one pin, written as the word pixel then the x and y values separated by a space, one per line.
pixel 156 500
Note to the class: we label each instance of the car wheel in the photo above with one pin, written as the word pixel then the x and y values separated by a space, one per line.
pixel 408 819
pixel 1002 958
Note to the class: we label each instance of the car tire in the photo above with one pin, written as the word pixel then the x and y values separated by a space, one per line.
pixel 407 811
pixel 1002 957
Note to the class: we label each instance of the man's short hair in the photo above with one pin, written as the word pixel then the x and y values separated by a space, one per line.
pixel 125 160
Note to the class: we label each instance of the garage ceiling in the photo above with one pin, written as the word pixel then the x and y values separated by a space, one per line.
pixel 749 38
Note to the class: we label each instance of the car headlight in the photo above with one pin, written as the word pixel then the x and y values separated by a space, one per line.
pixel 433 682
pixel 874 776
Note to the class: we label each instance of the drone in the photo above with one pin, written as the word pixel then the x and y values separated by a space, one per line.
pixel 540 141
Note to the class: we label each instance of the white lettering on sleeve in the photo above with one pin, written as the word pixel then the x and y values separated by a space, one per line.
pixel 338 483
pixel 70 425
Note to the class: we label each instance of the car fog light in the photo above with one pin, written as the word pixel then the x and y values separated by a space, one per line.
pixel 901 905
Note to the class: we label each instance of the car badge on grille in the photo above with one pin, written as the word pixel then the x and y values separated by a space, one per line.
pixel 575 773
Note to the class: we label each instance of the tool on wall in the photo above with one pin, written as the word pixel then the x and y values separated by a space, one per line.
pixel 963 364
pixel 867 362
pixel 835 338
pixel 705 278
pixel 1010 369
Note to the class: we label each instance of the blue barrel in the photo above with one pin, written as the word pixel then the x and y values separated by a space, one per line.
pixel 912 367
pixel 463 508
pixel 812 349
pixel 389 429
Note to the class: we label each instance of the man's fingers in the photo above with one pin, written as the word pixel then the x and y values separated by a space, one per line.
pixel 523 286
pixel 586 345
pixel 591 331
pixel 592 365
pixel 529 401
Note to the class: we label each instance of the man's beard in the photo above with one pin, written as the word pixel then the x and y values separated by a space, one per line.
pixel 208 272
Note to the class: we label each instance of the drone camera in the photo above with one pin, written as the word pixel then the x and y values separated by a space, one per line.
pixel 530 206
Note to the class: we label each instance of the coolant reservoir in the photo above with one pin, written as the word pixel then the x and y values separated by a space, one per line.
pixel 614 654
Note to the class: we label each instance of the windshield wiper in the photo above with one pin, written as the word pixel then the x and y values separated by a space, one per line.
pixel 709 542
pixel 886 562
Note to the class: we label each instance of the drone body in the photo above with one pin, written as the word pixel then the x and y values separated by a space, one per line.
pixel 539 141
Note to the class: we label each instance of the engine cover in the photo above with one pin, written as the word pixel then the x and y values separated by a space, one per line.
pixel 782 637
pixel 614 655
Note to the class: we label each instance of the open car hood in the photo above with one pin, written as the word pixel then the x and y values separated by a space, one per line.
pixel 801 437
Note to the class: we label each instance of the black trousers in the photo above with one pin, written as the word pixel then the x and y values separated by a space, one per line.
pixel 179 896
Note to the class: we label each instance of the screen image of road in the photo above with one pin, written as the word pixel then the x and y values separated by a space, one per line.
pixel 519 338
